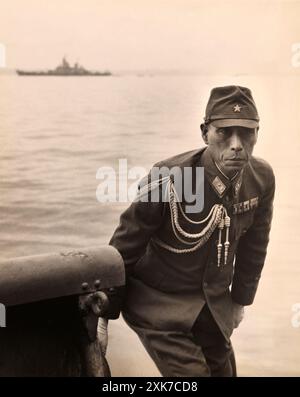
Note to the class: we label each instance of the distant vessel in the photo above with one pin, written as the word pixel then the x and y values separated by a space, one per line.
pixel 64 69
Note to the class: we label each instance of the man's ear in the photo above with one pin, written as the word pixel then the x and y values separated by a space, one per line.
pixel 204 131
pixel 256 134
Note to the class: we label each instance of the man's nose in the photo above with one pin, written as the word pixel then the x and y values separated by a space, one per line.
pixel 235 143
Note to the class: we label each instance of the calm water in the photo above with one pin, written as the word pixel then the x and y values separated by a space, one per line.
pixel 56 132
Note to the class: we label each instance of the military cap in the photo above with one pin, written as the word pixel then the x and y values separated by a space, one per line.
pixel 231 106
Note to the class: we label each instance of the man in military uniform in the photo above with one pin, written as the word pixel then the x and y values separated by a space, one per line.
pixel 189 276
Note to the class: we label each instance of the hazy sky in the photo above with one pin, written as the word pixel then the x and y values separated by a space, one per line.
pixel 207 36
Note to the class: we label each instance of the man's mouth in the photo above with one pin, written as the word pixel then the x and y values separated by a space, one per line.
pixel 235 160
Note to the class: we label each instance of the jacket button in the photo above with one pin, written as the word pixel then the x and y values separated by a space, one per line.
pixel 205 284
pixel 97 283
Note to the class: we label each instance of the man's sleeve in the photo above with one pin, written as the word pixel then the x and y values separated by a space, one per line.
pixel 252 250
pixel 137 225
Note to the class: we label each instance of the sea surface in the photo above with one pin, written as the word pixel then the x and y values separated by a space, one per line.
pixel 56 132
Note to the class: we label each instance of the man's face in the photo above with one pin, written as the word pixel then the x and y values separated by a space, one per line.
pixel 230 147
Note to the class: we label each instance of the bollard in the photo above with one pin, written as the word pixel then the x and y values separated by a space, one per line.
pixel 53 302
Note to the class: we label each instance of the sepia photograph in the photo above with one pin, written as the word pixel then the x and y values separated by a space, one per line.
pixel 149 210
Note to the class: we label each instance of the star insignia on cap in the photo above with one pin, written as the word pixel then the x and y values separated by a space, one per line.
pixel 237 108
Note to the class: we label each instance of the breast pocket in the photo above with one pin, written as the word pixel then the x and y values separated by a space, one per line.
pixel 242 223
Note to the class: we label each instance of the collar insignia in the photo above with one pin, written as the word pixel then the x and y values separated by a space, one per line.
pixel 219 186
pixel 237 186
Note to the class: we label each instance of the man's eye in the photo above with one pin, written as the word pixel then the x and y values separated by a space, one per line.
pixel 221 131
pixel 247 134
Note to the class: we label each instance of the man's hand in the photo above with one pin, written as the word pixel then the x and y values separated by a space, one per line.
pixel 238 314
pixel 103 334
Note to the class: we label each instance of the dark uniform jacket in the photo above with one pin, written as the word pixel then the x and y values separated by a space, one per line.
pixel 166 290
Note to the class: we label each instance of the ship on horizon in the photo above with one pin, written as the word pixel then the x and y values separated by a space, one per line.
pixel 64 69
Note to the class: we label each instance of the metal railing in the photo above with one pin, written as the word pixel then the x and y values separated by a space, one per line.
pixel 53 303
